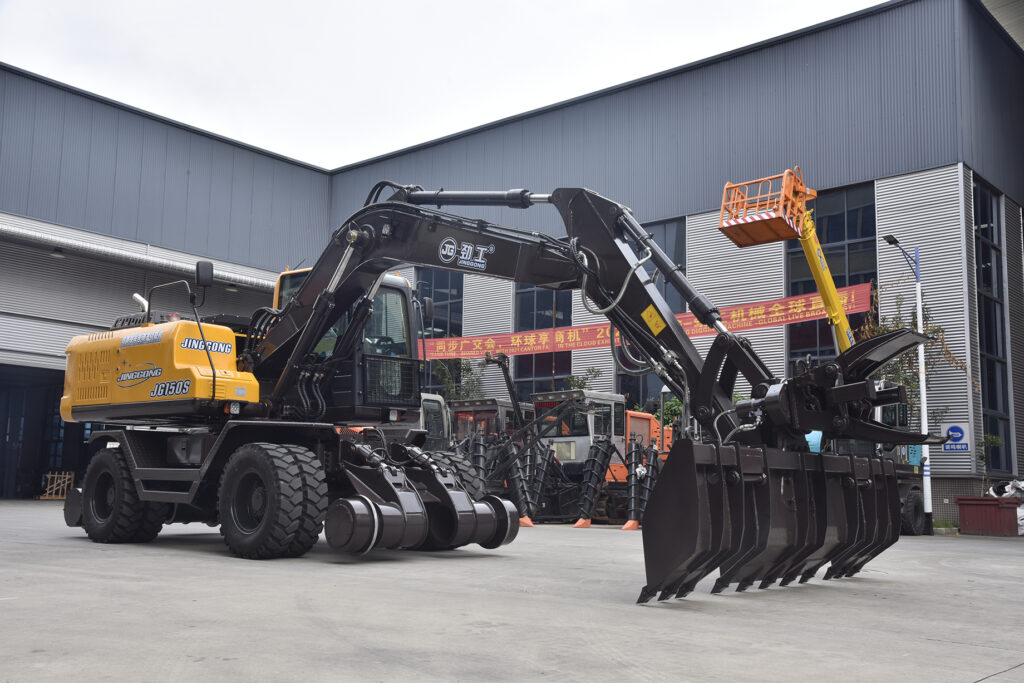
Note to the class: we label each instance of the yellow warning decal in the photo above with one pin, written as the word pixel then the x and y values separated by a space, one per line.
pixel 653 320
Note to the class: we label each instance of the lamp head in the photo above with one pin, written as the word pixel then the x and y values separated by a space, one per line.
pixel 891 239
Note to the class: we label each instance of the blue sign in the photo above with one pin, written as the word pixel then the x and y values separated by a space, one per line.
pixel 959 438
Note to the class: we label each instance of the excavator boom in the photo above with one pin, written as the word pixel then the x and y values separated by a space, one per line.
pixel 747 497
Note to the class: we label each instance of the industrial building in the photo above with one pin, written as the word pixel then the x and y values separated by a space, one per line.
pixel 908 118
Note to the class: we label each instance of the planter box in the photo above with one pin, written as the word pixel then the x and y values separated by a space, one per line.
pixel 987 516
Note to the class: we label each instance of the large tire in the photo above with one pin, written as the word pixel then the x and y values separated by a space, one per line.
pixel 913 515
pixel 111 509
pixel 272 501
pixel 465 472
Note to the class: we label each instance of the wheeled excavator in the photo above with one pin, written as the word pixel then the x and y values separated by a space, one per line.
pixel 254 429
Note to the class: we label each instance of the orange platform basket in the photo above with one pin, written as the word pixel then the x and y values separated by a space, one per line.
pixel 766 210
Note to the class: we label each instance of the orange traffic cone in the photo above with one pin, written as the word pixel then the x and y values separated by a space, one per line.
pixel 631 525
pixel 581 524
pixel 525 521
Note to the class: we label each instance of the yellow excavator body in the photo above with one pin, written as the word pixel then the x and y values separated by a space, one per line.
pixel 153 372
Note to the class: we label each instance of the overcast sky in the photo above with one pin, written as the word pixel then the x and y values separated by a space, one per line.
pixel 332 83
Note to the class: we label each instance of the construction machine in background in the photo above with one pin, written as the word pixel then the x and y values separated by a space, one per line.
pixel 774 209
pixel 246 433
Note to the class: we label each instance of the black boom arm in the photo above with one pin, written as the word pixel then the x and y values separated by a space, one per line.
pixel 605 255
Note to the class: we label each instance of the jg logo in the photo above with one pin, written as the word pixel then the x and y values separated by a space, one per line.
pixel 469 255
pixel 447 250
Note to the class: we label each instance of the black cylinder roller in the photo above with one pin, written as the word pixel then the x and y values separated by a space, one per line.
pixel 353 525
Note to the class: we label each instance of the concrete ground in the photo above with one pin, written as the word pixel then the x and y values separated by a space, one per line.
pixel 557 604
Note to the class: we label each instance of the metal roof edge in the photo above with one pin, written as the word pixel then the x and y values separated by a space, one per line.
pixel 4 66
pixel 643 80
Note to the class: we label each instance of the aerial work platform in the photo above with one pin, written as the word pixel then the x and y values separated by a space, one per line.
pixel 766 210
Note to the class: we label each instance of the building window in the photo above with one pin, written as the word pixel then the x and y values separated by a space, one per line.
pixel 670 235
pixel 446 289
pixel 845 223
pixel 542 309
pixel 988 258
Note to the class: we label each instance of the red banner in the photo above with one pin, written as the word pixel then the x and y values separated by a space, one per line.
pixel 792 309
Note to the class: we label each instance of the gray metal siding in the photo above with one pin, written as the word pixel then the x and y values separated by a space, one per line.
pixel 76 161
pixel 728 275
pixel 46 301
pixel 924 210
pixel 1014 250
pixel 600 358
pixel 852 102
pixel 487 309
pixel 991 99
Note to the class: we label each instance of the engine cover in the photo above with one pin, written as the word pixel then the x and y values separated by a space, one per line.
pixel 152 373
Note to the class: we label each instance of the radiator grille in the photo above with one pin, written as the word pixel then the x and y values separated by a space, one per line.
pixel 391 381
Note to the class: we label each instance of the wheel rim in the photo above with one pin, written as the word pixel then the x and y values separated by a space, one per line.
pixel 250 502
pixel 103 498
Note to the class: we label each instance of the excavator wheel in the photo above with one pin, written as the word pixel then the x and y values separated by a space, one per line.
pixel 465 472
pixel 111 509
pixel 913 515
pixel 272 502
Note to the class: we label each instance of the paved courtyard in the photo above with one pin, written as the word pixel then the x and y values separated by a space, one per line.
pixel 558 604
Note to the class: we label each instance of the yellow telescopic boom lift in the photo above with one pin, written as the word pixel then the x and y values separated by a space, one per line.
pixel 774 209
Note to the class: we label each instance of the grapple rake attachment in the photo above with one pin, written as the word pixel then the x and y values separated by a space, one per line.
pixel 762 514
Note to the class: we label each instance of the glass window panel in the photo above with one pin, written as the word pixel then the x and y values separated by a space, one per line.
pixel 524 366
pixel 836 258
pixel 563 308
pixel 523 391
pixel 803 338
pixel 560 384
pixel 830 217
pixel 545 309
pixel 860 212
pixel 863 263
pixel 455 320
pixel 990 327
pixel 543 364
pixel 524 311
pixel 798 269
pixel 629 386
pixel 985 275
pixel 563 363
pixel 455 285
pixel 441 285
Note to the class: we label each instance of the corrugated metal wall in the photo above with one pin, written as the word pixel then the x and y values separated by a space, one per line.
pixel 487 309
pixel 600 358
pixel 729 275
pixel 74 160
pixel 46 301
pixel 991 99
pixel 971 310
pixel 924 210
pixel 849 103
pixel 1014 250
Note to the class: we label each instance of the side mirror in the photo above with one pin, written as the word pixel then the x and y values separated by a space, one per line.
pixel 428 308
pixel 204 274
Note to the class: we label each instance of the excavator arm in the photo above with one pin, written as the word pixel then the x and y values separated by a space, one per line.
pixel 605 255
pixel 745 497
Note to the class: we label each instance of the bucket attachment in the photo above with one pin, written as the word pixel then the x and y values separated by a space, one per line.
pixel 762 515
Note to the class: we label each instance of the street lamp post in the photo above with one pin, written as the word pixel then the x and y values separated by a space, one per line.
pixel 926 465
